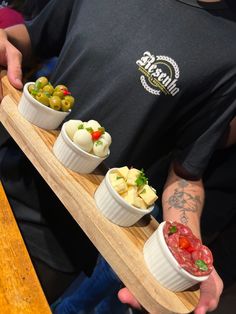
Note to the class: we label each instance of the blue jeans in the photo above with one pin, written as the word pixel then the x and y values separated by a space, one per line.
pixel 96 294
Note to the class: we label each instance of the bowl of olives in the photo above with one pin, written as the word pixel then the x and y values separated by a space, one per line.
pixel 44 105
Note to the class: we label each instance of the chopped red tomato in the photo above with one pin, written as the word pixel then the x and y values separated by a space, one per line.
pixel 184 243
pixel 96 135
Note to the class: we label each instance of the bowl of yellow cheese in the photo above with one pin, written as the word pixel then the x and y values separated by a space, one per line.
pixel 124 196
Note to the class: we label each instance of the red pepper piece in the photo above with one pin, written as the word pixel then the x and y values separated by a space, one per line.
pixel 190 249
pixel 183 243
pixel 96 135
pixel 66 92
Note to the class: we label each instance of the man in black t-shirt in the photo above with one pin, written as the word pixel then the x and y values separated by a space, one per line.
pixel 158 75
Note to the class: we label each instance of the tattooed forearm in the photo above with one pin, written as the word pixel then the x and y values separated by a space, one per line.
pixel 185 200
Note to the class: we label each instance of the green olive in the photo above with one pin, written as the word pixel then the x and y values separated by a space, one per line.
pixel 70 99
pixel 58 93
pixel 61 87
pixel 48 89
pixel 65 105
pixel 31 87
pixel 32 90
pixel 57 98
pixel 55 103
pixel 41 82
pixel 42 98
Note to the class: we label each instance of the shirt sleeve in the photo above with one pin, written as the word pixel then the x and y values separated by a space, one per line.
pixel 203 133
pixel 10 17
pixel 48 29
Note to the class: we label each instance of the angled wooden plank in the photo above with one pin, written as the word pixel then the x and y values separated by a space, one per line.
pixel 122 247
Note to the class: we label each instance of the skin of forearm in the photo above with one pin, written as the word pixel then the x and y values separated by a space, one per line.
pixel 182 201
pixel 19 37
pixel 231 140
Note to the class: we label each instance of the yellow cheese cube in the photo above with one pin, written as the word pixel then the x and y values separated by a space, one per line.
pixel 133 188
pixel 133 199
pixel 118 183
pixel 139 202
pixel 132 176
pixel 131 194
pixel 148 195
pixel 124 195
pixel 123 171
pixel 114 176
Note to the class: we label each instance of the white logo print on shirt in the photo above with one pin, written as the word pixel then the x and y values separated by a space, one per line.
pixel 160 74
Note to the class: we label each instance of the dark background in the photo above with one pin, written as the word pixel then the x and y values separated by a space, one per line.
pixel 232 4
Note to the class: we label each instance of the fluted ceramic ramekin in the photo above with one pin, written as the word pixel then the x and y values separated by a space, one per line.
pixel 114 207
pixel 163 265
pixel 72 156
pixel 39 114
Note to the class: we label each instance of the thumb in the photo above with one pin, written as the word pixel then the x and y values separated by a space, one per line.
pixel 126 297
pixel 201 310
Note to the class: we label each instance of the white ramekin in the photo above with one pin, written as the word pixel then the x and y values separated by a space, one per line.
pixel 72 156
pixel 114 207
pixel 163 265
pixel 39 114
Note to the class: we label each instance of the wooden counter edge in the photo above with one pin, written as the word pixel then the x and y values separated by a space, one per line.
pixel 20 289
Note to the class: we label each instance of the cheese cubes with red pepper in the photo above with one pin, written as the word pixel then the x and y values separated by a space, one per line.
pixel 90 136
pixel 132 185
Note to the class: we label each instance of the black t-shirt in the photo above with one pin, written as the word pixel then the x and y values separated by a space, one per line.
pixel 158 75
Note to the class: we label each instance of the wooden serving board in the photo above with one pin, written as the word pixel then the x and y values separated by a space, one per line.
pixel 121 247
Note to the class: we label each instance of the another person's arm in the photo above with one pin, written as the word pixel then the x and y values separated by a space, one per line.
pixel 18 43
